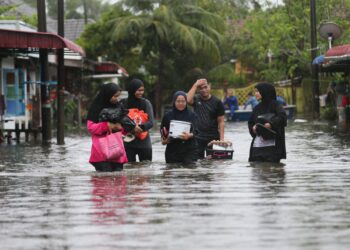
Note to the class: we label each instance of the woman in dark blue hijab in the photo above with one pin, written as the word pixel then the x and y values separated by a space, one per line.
pixel 182 148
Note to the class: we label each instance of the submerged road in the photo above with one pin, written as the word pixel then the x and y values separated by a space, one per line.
pixel 51 198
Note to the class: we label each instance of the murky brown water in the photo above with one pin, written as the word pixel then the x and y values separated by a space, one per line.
pixel 51 198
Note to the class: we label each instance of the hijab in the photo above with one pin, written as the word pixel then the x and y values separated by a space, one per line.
pixel 268 101
pixel 267 92
pixel 102 100
pixel 134 102
pixel 175 114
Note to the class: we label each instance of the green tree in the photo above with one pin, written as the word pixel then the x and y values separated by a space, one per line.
pixel 97 40
pixel 4 11
pixel 225 73
pixel 285 31
pixel 232 11
pixel 76 9
pixel 8 12
pixel 169 30
pixel 267 32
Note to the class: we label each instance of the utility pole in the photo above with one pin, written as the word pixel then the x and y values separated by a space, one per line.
pixel 85 12
pixel 44 75
pixel 314 67
pixel 60 76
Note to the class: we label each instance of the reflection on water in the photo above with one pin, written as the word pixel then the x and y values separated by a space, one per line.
pixel 111 195
pixel 109 198
pixel 267 172
pixel 51 198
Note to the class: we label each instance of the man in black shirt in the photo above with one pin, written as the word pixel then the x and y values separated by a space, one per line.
pixel 210 115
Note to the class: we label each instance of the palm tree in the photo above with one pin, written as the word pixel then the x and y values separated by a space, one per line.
pixel 170 28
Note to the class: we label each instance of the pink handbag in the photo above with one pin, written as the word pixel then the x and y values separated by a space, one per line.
pixel 112 148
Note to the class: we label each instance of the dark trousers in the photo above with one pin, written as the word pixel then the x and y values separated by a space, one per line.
pixel 265 159
pixel 181 153
pixel 106 166
pixel 145 154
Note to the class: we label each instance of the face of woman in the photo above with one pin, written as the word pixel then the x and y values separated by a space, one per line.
pixel 139 92
pixel 257 94
pixel 114 98
pixel 180 103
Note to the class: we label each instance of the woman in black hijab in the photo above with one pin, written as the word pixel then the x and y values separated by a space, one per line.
pixel 106 98
pixel 182 149
pixel 266 126
pixel 141 147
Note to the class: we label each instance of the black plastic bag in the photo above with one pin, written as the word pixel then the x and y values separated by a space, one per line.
pixel 265 118
pixel 113 115
pixel 266 133
pixel 117 115
pixel 128 124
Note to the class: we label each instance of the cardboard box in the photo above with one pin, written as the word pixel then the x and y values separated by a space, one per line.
pixel 219 153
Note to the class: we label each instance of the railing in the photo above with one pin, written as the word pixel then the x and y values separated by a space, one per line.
pixel 242 93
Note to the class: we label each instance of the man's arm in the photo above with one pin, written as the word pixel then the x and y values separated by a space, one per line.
pixel 221 126
pixel 191 93
pixel 193 90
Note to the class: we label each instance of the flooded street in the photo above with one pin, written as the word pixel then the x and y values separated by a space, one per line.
pixel 51 198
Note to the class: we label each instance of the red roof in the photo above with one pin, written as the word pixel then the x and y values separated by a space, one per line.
pixel 16 39
pixel 110 67
pixel 338 52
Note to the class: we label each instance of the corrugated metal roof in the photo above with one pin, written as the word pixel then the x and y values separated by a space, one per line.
pixel 25 40
pixel 72 27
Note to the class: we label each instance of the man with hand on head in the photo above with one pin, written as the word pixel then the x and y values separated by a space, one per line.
pixel 210 114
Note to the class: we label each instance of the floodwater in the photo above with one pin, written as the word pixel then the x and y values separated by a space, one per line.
pixel 51 198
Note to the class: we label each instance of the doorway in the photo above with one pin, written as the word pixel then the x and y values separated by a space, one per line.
pixel 14 91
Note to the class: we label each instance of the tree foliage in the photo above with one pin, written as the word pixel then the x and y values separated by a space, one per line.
pixel 169 32
pixel 8 12
pixel 170 40
pixel 177 40
pixel 5 9
pixel 285 31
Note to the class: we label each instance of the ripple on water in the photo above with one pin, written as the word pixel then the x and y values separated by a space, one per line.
pixel 52 198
